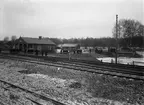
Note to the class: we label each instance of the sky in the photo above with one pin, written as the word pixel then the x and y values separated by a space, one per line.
pixel 65 18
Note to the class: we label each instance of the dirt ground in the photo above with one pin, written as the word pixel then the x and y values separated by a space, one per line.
pixel 73 87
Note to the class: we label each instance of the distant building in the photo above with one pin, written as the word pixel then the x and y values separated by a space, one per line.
pixel 65 48
pixel 4 45
pixel 28 44
pixel 69 46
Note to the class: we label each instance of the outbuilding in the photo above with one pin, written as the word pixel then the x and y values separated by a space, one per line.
pixel 68 47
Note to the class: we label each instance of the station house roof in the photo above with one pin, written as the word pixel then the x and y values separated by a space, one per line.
pixel 30 40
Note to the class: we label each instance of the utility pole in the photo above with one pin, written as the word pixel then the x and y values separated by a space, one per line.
pixel 119 30
pixel 116 38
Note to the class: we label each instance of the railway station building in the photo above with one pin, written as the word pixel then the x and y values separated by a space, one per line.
pixel 29 45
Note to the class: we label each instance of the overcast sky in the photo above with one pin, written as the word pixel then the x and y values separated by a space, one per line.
pixel 65 18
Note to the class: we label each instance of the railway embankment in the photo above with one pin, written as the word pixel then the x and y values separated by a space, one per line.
pixel 70 86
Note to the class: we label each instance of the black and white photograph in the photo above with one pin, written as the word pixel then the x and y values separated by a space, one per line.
pixel 71 52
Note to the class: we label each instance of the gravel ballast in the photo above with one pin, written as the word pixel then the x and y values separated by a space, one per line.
pixel 73 87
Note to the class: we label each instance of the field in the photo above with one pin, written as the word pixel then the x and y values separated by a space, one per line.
pixel 73 87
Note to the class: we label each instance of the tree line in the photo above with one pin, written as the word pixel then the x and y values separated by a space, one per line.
pixel 136 41
pixel 130 34
pixel 89 41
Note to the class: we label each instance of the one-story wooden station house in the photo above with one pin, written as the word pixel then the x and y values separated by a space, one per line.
pixel 31 45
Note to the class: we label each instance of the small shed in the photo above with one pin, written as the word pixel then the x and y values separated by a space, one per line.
pixel 68 47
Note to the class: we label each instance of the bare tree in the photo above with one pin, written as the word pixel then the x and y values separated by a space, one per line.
pixel 129 28
pixel 13 38
pixel 6 39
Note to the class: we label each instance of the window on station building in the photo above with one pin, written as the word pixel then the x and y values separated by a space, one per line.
pixel 50 47
pixel 53 47
pixel 30 46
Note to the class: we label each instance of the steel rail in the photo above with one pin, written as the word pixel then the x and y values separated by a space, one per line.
pixel 40 96
pixel 100 70
pixel 89 62
pixel 88 66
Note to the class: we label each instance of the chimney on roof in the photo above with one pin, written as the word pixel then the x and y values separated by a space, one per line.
pixel 40 37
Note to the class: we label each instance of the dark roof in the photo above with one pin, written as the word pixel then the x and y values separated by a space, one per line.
pixel 68 45
pixel 37 40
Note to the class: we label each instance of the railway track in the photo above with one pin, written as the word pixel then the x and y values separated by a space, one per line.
pixel 105 68
pixel 113 71
pixel 13 88
pixel 89 62
pixel 80 61
pixel 92 62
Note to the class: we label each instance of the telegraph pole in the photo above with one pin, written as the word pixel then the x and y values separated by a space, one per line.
pixel 116 38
